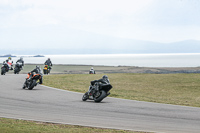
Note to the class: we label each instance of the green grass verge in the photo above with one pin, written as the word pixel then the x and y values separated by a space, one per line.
pixel 73 69
pixel 178 89
pixel 22 126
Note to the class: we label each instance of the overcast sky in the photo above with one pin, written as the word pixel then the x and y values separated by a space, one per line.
pixel 62 22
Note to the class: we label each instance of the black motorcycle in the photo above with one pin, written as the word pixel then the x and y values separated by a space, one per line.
pixel 31 81
pixel 18 67
pixel 98 92
pixel 4 69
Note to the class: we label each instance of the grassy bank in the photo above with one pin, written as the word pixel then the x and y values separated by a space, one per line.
pixel 22 126
pixel 74 69
pixel 84 69
pixel 178 89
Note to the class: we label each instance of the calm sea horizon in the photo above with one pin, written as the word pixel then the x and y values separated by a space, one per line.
pixel 140 60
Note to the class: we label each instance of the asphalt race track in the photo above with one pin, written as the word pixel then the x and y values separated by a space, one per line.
pixel 58 106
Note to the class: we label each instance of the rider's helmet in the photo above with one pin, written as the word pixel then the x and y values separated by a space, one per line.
pixel 105 78
pixel 21 58
pixel 48 58
pixel 91 68
pixel 38 67
pixel 9 58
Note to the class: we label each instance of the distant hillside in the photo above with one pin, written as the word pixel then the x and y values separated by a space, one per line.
pixel 8 55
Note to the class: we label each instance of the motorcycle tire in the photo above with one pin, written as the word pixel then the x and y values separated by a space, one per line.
pixel 16 71
pixel 24 86
pixel 32 85
pixel 85 97
pixel 101 97
pixel 3 71
pixel 44 71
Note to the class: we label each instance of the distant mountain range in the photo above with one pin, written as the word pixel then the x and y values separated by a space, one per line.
pixel 9 55
pixel 62 40
pixel 117 46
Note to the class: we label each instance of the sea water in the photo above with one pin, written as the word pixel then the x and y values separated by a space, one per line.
pixel 140 60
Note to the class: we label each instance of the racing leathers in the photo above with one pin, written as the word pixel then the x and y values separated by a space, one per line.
pixel 37 71
pixel 21 63
pixel 10 64
pixel 49 63
pixel 92 71
pixel 102 81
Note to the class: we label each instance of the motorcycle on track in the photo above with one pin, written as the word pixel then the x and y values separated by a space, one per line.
pixel 18 68
pixel 98 92
pixel 4 69
pixel 32 81
pixel 46 69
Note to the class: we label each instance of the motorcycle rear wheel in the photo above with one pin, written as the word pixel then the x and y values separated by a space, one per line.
pixel 45 71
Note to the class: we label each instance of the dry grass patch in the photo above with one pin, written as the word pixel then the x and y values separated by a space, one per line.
pixel 179 89
pixel 23 126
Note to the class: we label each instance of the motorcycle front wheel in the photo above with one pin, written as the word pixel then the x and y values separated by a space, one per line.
pixel 100 97
pixel 3 71
pixel 16 71
pixel 85 97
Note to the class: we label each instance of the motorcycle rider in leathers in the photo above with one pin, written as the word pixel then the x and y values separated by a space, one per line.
pixel 9 63
pixel 103 80
pixel 49 63
pixel 21 61
pixel 37 70
pixel 92 71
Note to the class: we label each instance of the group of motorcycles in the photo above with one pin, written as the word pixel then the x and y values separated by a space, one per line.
pixel 5 68
pixel 98 92
pixel 18 68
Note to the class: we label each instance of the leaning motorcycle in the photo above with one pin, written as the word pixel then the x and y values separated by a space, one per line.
pixel 4 69
pixel 98 92
pixel 17 68
pixel 31 82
